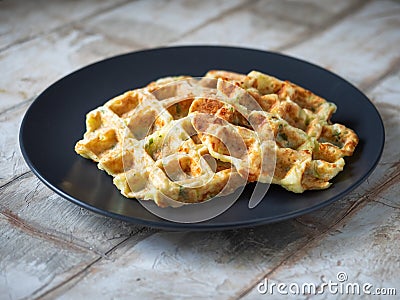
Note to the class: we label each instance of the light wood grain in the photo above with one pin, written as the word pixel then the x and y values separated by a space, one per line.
pixel 29 265
pixel 30 67
pixel 153 23
pixel 36 212
pixel 183 265
pixel 40 208
pixel 17 17
pixel 55 54
pixel 221 263
pixel 365 248
pixel 12 163
pixel 364 43
pixel 52 248
pixel 365 245
pixel 318 224
pixel 269 25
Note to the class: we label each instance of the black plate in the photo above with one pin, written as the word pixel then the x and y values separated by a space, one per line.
pixel 55 121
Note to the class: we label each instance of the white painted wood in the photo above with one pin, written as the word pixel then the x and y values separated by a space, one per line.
pixel 38 206
pixel 223 264
pixel 11 161
pixel 29 264
pixel 361 48
pixel 267 25
pixel 29 68
pixel 153 23
pixel 204 265
pixel 59 250
pixel 365 248
pixel 52 239
pixel 23 20
pixel 386 93
pixel 182 265
pixel 254 27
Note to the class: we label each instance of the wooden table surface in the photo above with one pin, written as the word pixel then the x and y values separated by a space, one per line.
pixel 51 248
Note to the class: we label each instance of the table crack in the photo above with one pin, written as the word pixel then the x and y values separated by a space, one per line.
pixel 85 270
pixel 316 30
pixel 211 20
pixel 16 178
pixel 16 221
pixel 386 204
pixel 16 106
pixel 354 208
pixel 57 28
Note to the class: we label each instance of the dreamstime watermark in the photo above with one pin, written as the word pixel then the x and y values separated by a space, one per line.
pixel 340 286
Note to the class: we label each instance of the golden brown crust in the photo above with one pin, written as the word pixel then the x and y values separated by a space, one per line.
pixel 129 136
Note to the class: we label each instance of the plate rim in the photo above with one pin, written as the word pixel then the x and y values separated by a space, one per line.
pixel 199 226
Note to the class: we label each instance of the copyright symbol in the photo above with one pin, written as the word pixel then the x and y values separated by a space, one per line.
pixel 341 276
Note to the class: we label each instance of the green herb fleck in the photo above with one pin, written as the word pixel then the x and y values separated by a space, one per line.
pixel 283 136
pixel 316 174
pixel 182 191
pixel 178 108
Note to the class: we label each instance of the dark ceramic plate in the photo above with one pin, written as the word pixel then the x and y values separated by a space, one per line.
pixel 55 121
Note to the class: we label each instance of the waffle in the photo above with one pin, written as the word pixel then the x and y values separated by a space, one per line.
pixel 182 140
